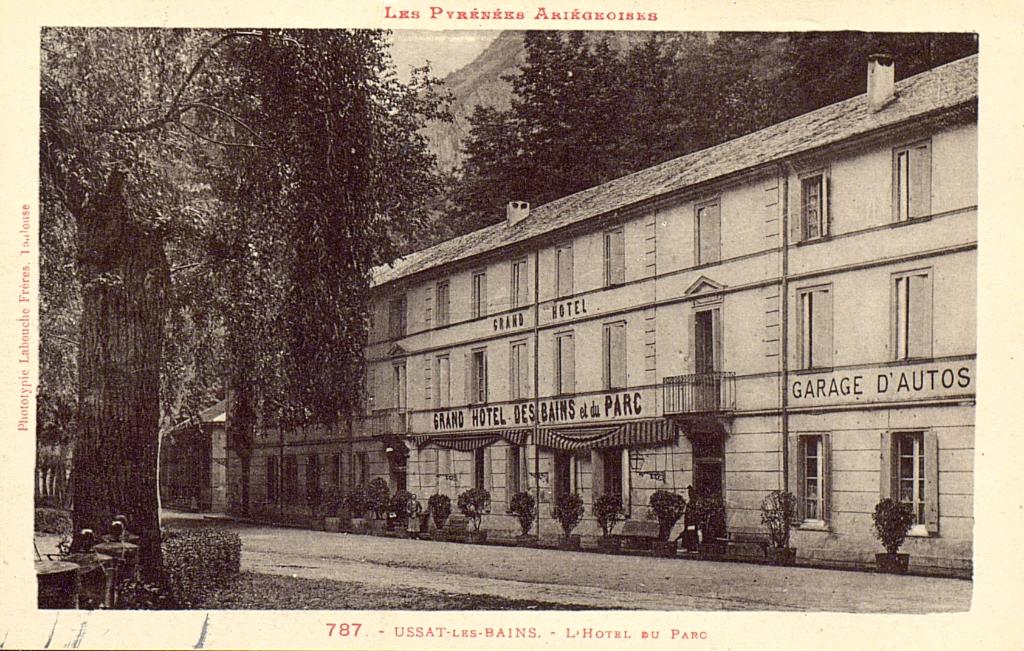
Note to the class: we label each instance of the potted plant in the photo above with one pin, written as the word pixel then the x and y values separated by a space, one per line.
pixel 709 514
pixel 357 506
pixel 402 505
pixel 893 521
pixel 440 507
pixel 608 511
pixel 377 500
pixel 524 507
pixel 330 504
pixel 778 514
pixel 568 511
pixel 667 508
pixel 473 503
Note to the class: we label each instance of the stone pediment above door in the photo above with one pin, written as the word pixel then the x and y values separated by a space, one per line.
pixel 397 351
pixel 704 285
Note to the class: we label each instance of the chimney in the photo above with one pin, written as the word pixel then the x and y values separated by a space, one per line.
pixel 881 81
pixel 516 212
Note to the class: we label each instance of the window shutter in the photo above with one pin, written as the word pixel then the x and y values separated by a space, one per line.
pixel 931 481
pixel 826 205
pixel 524 372
pixel 618 353
pixel 920 314
pixel 483 295
pixel 887 478
pixel 468 362
pixel 565 271
pixel 619 256
pixel 822 323
pixel 511 486
pixel 826 480
pixel 710 234
pixel 569 364
pixel 796 212
pixel 920 181
pixel 796 473
pixel 596 473
pixel 483 380
pixel 428 389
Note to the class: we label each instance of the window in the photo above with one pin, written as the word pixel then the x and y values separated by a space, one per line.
pixel 912 181
pixel 912 315
pixel 708 233
pixel 614 257
pixel 520 287
pixel 289 478
pixel 396 317
pixel 813 206
pixel 443 304
pixel 478 376
pixel 519 382
pixel 360 468
pixel 513 470
pixel 479 467
pixel 611 461
pixel 814 311
pixel 444 381
pixel 272 479
pixel 335 469
pixel 910 472
pixel 479 298
pixel 614 355
pixel 910 475
pixel 563 270
pixel 567 473
pixel 312 480
pixel 565 364
pixel 400 386
pixel 810 477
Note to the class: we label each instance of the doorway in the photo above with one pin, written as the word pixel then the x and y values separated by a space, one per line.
pixel 709 471
pixel 705 355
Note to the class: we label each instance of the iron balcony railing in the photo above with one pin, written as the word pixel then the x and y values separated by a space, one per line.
pixel 699 393
pixel 386 421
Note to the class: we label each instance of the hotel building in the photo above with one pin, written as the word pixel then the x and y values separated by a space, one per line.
pixel 793 309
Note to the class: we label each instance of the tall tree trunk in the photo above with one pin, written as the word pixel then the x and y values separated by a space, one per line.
pixel 125 279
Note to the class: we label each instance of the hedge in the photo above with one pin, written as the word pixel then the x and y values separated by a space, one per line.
pixel 199 561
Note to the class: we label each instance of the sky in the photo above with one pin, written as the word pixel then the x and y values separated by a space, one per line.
pixel 445 50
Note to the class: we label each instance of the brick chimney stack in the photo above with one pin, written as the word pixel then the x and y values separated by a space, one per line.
pixel 516 212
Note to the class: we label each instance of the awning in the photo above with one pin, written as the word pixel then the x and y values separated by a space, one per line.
pixel 466 441
pixel 636 434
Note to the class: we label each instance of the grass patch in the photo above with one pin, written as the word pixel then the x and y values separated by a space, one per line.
pixel 252 591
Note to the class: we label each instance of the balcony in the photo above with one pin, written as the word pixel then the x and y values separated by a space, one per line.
pixel 385 421
pixel 699 393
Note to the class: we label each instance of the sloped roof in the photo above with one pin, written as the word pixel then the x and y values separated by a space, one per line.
pixel 945 87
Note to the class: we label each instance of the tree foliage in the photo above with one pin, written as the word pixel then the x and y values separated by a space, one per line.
pixel 225 195
pixel 586 109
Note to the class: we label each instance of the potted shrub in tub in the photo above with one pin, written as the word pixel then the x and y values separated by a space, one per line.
pixel 524 507
pixel 709 514
pixel 893 521
pixel 404 506
pixel 473 503
pixel 378 499
pixel 569 512
pixel 778 515
pixel 667 508
pixel 331 504
pixel 356 504
pixel 608 511
pixel 440 507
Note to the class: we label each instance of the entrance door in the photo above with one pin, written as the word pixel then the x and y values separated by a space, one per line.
pixel 709 471
pixel 706 383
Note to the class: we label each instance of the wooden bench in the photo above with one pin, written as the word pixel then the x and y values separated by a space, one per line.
pixel 741 543
pixel 638 534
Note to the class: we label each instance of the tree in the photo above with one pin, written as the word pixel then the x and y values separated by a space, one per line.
pixel 263 169
pixel 586 109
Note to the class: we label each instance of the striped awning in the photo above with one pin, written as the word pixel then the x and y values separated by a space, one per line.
pixel 636 434
pixel 466 441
